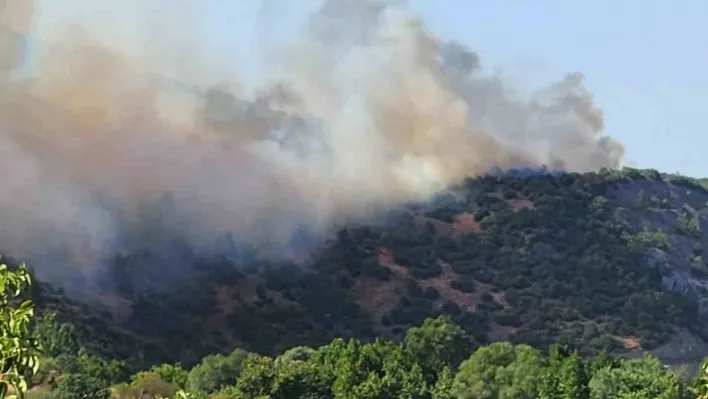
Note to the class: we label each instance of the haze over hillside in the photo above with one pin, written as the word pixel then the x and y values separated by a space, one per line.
pixel 111 149
pixel 378 217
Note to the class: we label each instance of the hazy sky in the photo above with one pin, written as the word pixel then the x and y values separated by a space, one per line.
pixel 646 61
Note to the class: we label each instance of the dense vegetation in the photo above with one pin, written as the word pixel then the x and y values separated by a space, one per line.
pixel 435 361
pixel 532 259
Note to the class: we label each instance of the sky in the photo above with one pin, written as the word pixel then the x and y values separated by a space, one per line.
pixel 645 61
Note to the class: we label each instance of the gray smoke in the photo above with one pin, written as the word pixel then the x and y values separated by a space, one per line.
pixel 366 109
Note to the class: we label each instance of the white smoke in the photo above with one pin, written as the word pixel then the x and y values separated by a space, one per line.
pixel 365 109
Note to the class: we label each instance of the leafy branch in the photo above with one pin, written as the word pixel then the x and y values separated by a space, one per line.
pixel 19 350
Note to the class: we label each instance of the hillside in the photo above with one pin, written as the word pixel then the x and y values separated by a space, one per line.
pixel 611 260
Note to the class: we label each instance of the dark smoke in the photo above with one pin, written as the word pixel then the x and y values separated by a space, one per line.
pixel 142 139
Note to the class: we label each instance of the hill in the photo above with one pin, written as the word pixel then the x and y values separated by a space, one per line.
pixel 611 260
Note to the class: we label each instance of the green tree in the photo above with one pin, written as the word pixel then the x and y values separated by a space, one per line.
pixel 499 371
pixel 438 344
pixel 573 378
pixel 598 203
pixel 601 361
pixel 564 377
pixel 19 349
pixel 216 371
pixel 647 239
pixel 56 338
pixel 172 373
pixel 700 384
pixel 298 353
pixel 82 386
pixel 145 385
pixel 689 223
pixel 403 376
pixel 636 379
pixel 299 379
pixel 380 369
pixel 257 376
pixel 89 376
pixel 443 386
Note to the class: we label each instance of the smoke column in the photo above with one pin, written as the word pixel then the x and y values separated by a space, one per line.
pixel 131 139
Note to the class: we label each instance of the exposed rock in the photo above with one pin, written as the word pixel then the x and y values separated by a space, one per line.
pixel 676 279
pixel 679 282
pixel 658 259
pixel 684 347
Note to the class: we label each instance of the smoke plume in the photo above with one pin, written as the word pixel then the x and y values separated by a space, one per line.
pixel 142 136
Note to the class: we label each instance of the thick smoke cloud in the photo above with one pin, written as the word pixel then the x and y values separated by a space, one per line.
pixel 144 137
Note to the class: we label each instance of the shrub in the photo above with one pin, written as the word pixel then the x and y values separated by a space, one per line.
pixel 144 385
pixel 463 284
pixel 216 371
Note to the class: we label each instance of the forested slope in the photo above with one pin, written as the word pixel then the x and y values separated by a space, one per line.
pixel 610 260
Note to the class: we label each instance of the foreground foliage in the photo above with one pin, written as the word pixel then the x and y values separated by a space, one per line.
pixel 433 361
pixel 18 348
